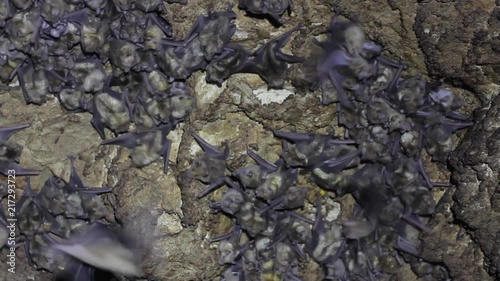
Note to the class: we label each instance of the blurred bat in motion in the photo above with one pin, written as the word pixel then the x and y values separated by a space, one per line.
pixel 102 248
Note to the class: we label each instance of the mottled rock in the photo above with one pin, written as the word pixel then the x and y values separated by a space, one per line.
pixel 460 42
pixel 476 164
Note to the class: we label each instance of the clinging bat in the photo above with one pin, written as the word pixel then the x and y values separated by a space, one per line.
pixel 270 63
pixel 10 157
pixel 146 147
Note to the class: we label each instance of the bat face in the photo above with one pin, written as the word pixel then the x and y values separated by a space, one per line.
pixel 94 34
pixel 29 215
pixel 207 169
pixel 143 121
pixel 53 10
pixel 51 196
pixel 24 28
pixel 151 147
pixel 232 201
pixel 94 207
pixel 215 31
pixel 130 85
pixel 369 175
pixel 10 151
pixel 155 82
pixel 254 176
pixel 73 100
pixel 228 250
pixel 124 56
pixel 251 176
pixel 251 220
pixel 446 100
pixel 130 26
pixel 56 80
pixel 276 183
pixel 294 198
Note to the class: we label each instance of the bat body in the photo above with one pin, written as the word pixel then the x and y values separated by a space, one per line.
pixel 9 157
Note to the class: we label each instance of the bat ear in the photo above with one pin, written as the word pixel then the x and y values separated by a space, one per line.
pixel 292 137
pixel 75 182
pixel 208 148
pixel 263 164
pixel 5 166
pixel 96 121
pixel 128 140
pixel 450 126
pixel 166 154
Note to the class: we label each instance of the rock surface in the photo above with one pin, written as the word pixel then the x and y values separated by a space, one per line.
pixel 476 201
pixel 460 41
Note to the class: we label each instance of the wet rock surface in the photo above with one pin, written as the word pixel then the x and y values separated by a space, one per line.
pixel 154 205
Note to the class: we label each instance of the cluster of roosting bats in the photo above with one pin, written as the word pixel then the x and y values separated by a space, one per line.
pixel 118 61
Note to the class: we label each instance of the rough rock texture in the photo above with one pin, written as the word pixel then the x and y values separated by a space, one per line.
pixel 477 174
pixel 450 244
pixel 460 41
pixel 433 37
pixel 467 221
